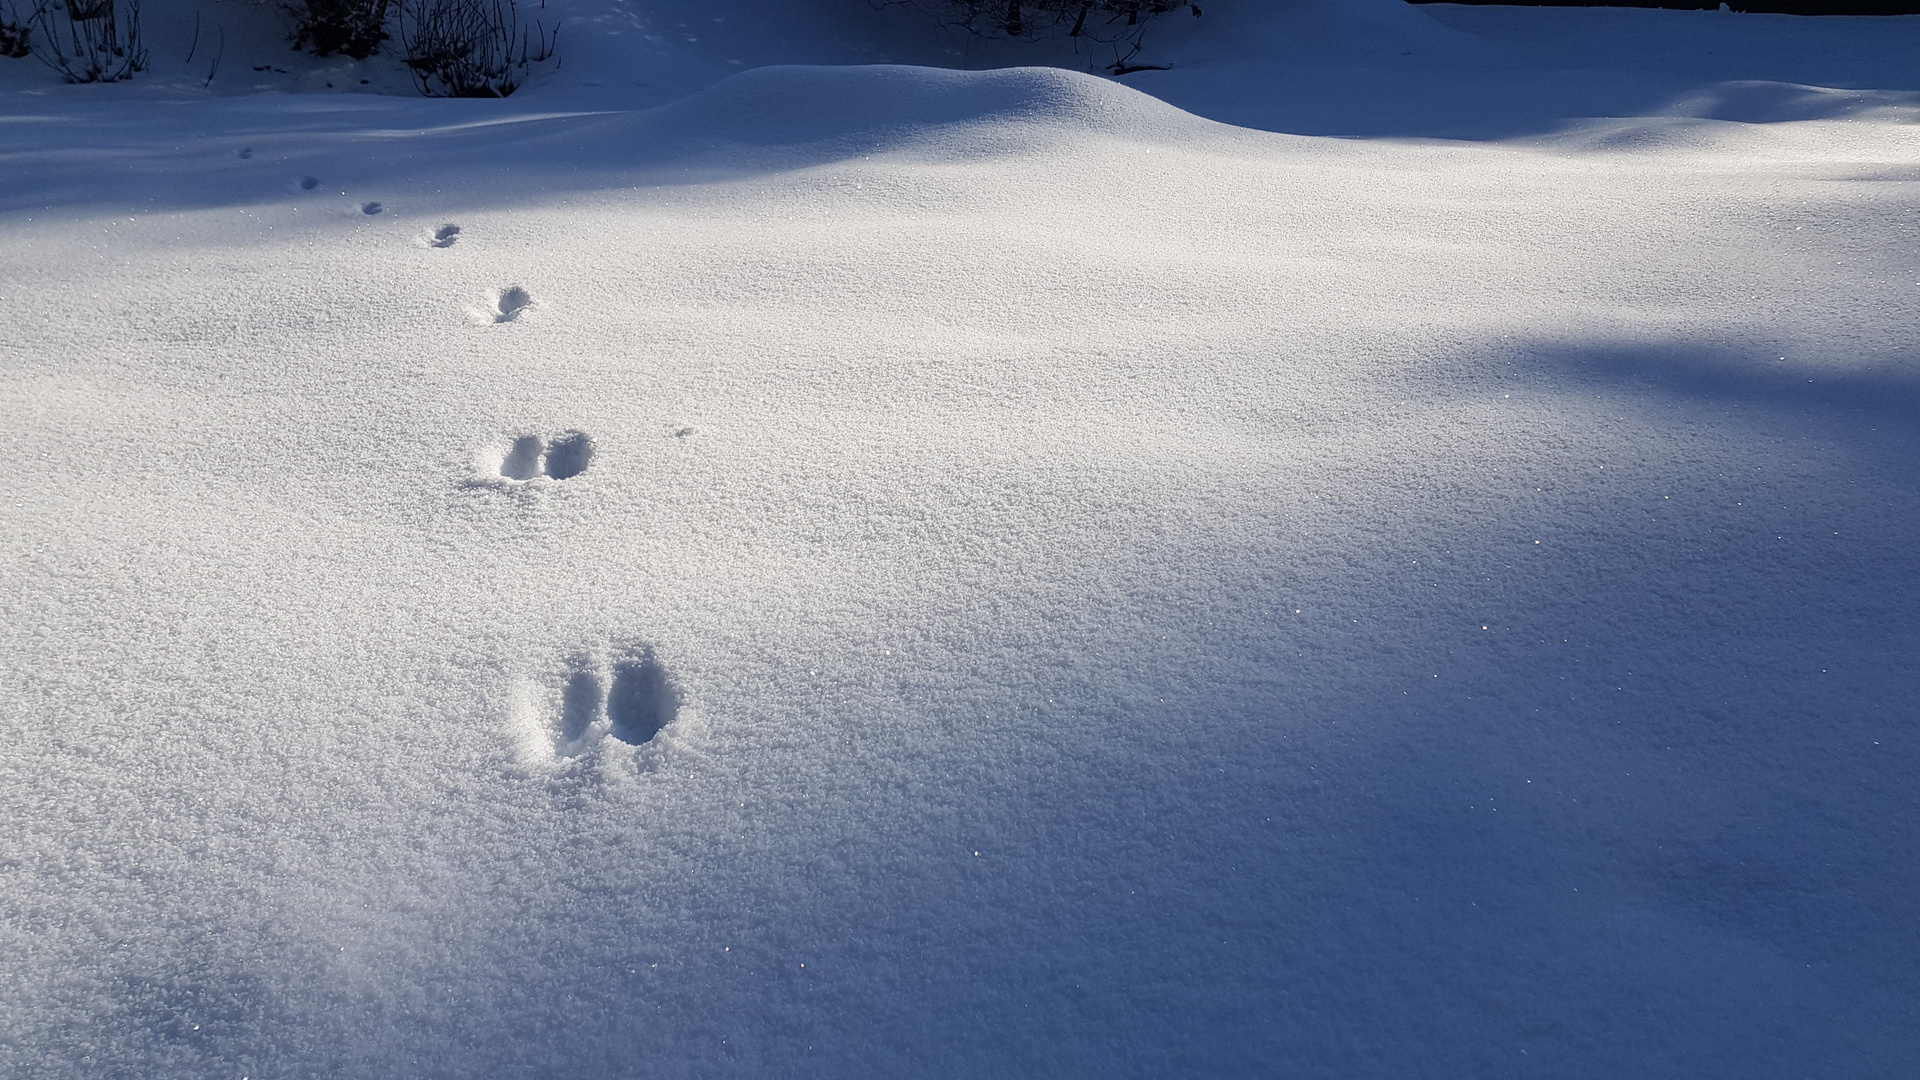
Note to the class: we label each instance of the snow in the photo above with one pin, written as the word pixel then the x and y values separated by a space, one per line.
pixel 1316 562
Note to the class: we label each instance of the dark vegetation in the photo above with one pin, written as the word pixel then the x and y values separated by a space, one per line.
pixel 16 38
pixel 351 27
pixel 86 40
pixel 1120 24
pixel 454 48
pixel 471 48
pixel 1017 17
pixel 1783 7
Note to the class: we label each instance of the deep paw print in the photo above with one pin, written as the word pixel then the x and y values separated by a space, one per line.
pixel 629 698
pixel 562 457
pixel 501 306
pixel 510 303
pixel 445 236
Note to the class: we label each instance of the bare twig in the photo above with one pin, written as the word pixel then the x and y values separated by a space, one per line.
pixel 471 48
pixel 214 69
pixel 90 40
pixel 16 37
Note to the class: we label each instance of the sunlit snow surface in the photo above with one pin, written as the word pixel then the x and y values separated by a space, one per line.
pixel 894 572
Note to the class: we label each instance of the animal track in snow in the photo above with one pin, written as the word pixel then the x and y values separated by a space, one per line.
pixel 371 208
pixel 445 236
pixel 581 700
pixel 513 300
pixel 628 697
pixel 523 460
pixel 568 455
pixel 642 699
pixel 562 457
pixel 308 183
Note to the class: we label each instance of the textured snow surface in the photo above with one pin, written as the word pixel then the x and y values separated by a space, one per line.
pixel 889 571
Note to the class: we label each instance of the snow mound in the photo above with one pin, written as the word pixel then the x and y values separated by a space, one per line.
pixel 796 105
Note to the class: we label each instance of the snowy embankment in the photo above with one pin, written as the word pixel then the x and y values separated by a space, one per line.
pixel 1126 595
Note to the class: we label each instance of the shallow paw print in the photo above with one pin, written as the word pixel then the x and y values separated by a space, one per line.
pixel 444 237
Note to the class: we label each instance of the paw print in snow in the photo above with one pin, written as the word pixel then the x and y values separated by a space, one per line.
pixel 563 457
pixel 627 697
pixel 512 301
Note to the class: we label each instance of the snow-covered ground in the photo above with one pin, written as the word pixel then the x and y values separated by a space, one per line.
pixel 1419 582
